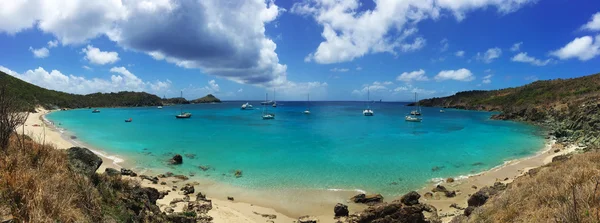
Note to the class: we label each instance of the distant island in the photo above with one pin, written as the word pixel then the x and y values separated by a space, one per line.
pixel 30 96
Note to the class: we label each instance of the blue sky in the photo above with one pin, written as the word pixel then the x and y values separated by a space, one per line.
pixel 333 50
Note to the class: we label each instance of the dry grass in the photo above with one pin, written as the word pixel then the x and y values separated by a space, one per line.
pixel 566 191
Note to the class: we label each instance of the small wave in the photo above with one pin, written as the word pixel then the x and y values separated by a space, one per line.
pixel 352 190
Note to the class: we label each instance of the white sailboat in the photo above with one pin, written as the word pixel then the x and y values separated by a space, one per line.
pixel 181 113
pixel 307 111
pixel 368 111
pixel 247 106
pixel 266 115
pixel 413 117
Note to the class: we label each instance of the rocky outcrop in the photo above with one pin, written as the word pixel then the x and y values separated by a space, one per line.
pixel 411 198
pixel 176 160
pixel 447 193
pixel 83 161
pixel 187 189
pixel 128 172
pixel 480 197
pixel 340 210
pixel 308 219
pixel 367 199
pixel 112 172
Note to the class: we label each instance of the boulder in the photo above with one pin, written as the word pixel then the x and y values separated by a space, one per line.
pixel 561 158
pixel 308 219
pixel 469 210
pixel 176 200
pixel 230 198
pixel 340 210
pixel 169 210
pixel 181 177
pixel 477 199
pixel 367 199
pixel 200 196
pixel 450 180
pixel 83 161
pixel 112 172
pixel 394 212
pixel 187 189
pixel 238 174
pixel 128 172
pixel 154 180
pixel 439 188
pixel 200 207
pixel 428 195
pixel 176 160
pixel 411 198
pixel 152 194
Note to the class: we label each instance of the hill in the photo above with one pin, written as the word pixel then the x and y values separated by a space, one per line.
pixel 175 101
pixel 30 96
pixel 568 107
pixel 207 99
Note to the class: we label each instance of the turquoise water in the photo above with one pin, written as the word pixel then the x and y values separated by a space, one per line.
pixel 333 148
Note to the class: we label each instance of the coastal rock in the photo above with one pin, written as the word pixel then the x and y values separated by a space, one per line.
pixel 176 200
pixel 392 213
pixel 230 198
pixel 269 216
pixel 199 207
pixel 187 189
pixel 450 180
pixel 428 195
pixel 204 168
pixel 340 210
pixel 128 172
pixel 176 160
pixel 367 199
pixel 411 198
pixel 112 172
pixel 477 199
pixel 238 174
pixel 200 196
pixel 308 219
pixel 83 161
pixel 455 205
pixel 169 210
pixel 154 180
pixel 152 194
pixel 439 188
pixel 163 194
pixel 561 158
pixel 181 218
pixel 181 177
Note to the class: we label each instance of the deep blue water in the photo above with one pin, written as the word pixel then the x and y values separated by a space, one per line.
pixel 334 147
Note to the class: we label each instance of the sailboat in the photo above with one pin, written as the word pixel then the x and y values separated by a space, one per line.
pixel 307 111
pixel 247 106
pixel 274 102
pixel 266 114
pixel 181 113
pixel 413 117
pixel 368 111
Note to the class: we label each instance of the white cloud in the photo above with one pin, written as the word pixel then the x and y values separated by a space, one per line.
pixel 350 32
pixel 95 56
pixel 358 68
pixel 411 89
pixel 55 80
pixel 459 75
pixel 40 53
pixel 444 45
pixel 212 84
pixel 86 67
pixel 516 47
pixel 52 43
pixel 524 58
pixel 222 38
pixel 487 79
pixel 582 48
pixel 489 55
pixel 339 69
pixel 593 24
pixel 531 78
pixel 418 75
pixel 460 53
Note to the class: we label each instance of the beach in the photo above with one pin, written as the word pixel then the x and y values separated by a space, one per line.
pixel 250 206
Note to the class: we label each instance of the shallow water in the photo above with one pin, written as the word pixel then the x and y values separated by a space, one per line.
pixel 335 147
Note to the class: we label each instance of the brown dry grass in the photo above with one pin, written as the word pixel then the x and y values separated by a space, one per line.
pixel 566 191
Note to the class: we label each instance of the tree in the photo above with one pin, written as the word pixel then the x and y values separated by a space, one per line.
pixel 11 116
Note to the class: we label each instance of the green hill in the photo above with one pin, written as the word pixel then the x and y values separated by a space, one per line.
pixel 207 99
pixel 569 107
pixel 30 96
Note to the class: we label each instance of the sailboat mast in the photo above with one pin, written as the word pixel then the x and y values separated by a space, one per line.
pixel 180 105
pixel 368 97
pixel 266 99
pixel 308 100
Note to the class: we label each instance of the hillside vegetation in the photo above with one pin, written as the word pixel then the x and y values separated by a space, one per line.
pixel 570 108
pixel 206 99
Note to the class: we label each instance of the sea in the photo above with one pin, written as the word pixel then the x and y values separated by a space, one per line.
pixel 333 148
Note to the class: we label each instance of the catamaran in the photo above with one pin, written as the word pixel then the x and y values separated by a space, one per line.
pixel 413 117
pixel 307 111
pixel 266 115
pixel 368 111
pixel 181 113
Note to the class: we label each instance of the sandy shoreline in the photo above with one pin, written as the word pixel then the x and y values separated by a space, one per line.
pixel 246 206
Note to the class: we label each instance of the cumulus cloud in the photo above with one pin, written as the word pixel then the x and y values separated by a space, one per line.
pixel 459 53
pixel 351 32
pixel 122 80
pixel 418 75
pixel 86 67
pixel 490 55
pixel 582 48
pixel 52 43
pixel 335 69
pixel 412 89
pixel 213 86
pixel 221 38
pixel 524 58
pixel 40 53
pixel 593 24
pixel 516 47
pixel 458 75
pixel 96 56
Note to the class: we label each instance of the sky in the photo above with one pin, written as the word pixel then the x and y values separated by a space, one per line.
pixel 330 49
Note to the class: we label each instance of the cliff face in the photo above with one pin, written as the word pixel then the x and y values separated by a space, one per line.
pixel 569 108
